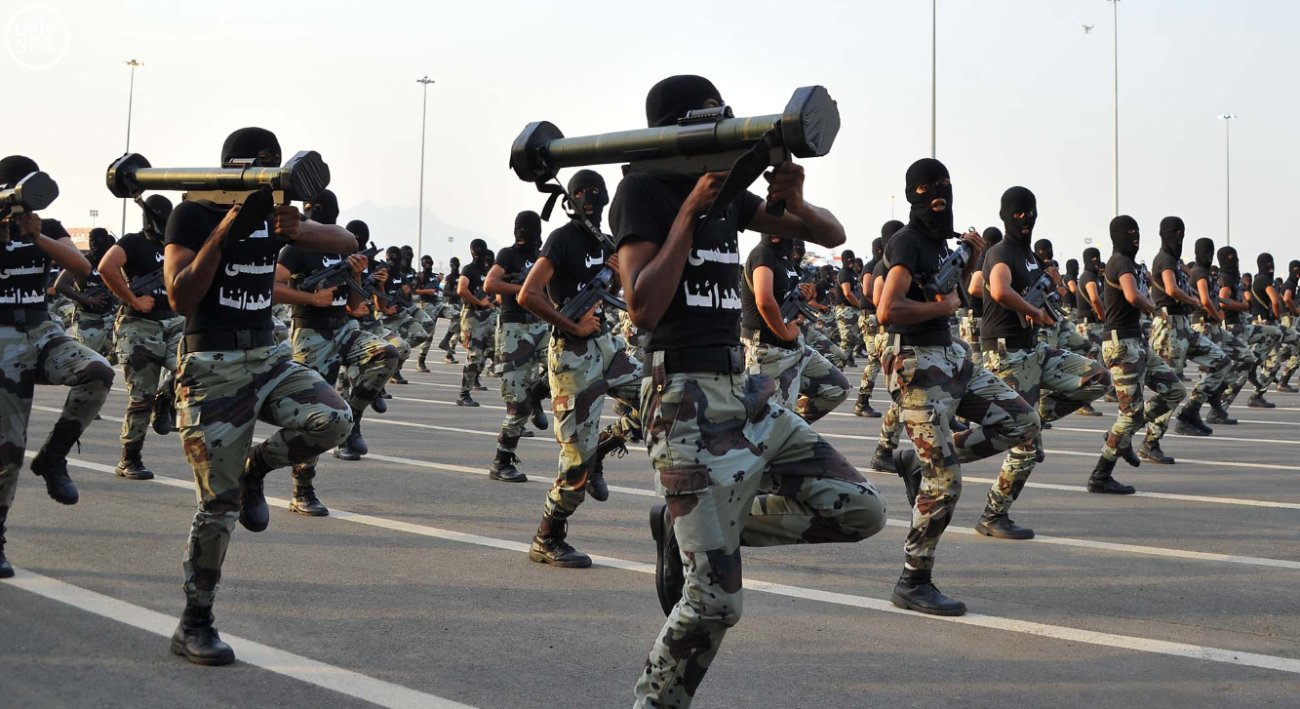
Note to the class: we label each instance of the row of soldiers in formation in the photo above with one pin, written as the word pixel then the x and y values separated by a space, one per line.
pixel 720 366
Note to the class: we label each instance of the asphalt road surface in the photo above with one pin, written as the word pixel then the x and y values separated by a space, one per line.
pixel 417 592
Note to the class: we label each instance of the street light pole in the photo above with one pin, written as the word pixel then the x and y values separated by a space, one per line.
pixel 934 72
pixel 130 104
pixel 1115 29
pixel 424 117
pixel 1227 174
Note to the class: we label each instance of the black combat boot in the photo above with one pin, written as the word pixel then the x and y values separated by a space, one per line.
pixel 549 547
pixel 1218 414
pixel 992 524
pixel 354 446
pixel 1285 383
pixel 670 574
pixel 51 462
pixel 1100 481
pixel 304 500
pixel 164 414
pixel 608 443
pixel 1257 401
pixel 379 404
pixel 132 465
pixel 478 383
pixel 1189 421
pixel 908 466
pixel 915 591
pixel 6 570
pixel 398 378
pixel 1087 410
pixel 465 400
pixel 420 366
pixel 503 468
pixel 1151 451
pixel 253 512
pixel 197 641
pixel 538 392
pixel 863 408
pixel 1129 455
pixel 883 460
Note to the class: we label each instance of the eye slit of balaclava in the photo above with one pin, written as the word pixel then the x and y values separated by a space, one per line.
pixel 927 180
pixel 1124 235
pixel 1019 212
pixel 1171 236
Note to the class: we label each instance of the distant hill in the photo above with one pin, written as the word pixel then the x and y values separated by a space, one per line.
pixel 397 226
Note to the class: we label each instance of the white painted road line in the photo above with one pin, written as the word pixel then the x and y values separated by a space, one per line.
pixel 296 667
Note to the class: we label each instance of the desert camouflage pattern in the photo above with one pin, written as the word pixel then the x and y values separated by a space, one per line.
pixel 94 330
pixel 846 320
pixel 805 380
pixel 1173 338
pixel 475 331
pixel 931 384
pixel 146 349
pixel 43 354
pixel 875 345
pixel 220 396
pixel 1265 340
pixel 1058 382
pixel 521 361
pixel 736 470
pixel 825 346
pixel 1132 366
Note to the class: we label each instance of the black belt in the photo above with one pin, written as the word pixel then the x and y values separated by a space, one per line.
pixel 767 337
pixel 24 317
pixel 937 338
pixel 330 324
pixel 1018 341
pixel 229 341
pixel 713 360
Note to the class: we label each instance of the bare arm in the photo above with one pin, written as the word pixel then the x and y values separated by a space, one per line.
pixel 768 308
pixel 846 290
pixel 329 238
pixel 1207 301
pixel 1274 303
pixel 1170 284
pixel 1003 294
pixel 462 289
pixel 897 309
pixel 801 220
pixel 496 282
pixel 1134 297
pixel 1094 300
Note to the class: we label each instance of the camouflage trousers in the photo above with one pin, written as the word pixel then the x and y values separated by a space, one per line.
pixel 1288 341
pixel 408 328
pixel 1065 336
pixel 326 352
pixel 582 374
pixel 968 330
pixel 803 377
pixel 281 315
pixel 440 309
pixel 43 354
pixel 736 470
pixel 846 319
pixel 63 311
pixel 1058 382
pixel 94 330
pixel 475 331
pixel 1241 359
pixel 146 349
pixel 931 384
pixel 1266 341
pixel 1132 366
pixel 1092 332
pixel 220 396
pixel 521 360
pixel 824 345
pixel 874 345
pixel 352 372
pixel 1173 338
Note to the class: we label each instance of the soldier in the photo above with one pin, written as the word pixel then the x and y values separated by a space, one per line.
pixel 219 265
pixel 475 318
pixel 871 323
pixel 846 305
pixel 1174 339
pixel 932 379
pixel 969 326
pixel 1089 313
pixel 585 366
pixel 805 380
pixel 1269 338
pixel 1014 353
pixel 1290 309
pixel 1235 335
pixel 36 350
pixel 521 340
pixel 1062 335
pixel 372 278
pixel 451 301
pixel 705 422
pixel 93 322
pixel 148 333
pixel 812 332
pixel 397 307
pixel 324 338
pixel 1132 363
pixel 891 424
pixel 428 287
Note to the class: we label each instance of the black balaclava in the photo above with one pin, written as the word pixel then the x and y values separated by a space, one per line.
pixel 100 243
pixel 1294 268
pixel 1092 259
pixel 890 228
pixel 1171 236
pixel 797 250
pixel 453 266
pixel 1019 200
pixel 1228 262
pixel 15 168
pixel 247 143
pixel 992 236
pixel 846 258
pixel 426 264
pixel 360 230
pixel 671 98
pixel 477 248
pixel 929 173
pixel 594 194
pixel 408 257
pixel 1043 250
pixel 528 233
pixel 1265 263
pixel 1204 250
pixel 393 255
pixel 1124 235
pixel 1072 268
pixel 324 208
pixel 156 216
pixel 782 246
pixel 878 248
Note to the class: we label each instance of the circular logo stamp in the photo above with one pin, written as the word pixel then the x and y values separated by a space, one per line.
pixel 37 37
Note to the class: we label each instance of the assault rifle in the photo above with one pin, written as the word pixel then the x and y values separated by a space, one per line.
pixel 795 304
pixel 338 274
pixel 948 276
pixel 1144 280
pixel 1043 295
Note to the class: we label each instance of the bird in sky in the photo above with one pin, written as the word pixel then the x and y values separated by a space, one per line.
pixel 1088 28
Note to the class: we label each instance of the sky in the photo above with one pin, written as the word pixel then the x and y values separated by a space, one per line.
pixel 1024 98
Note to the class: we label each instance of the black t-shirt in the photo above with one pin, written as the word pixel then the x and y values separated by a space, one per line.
pixel 143 257
pixel 302 263
pixel 845 277
pixel 514 261
pixel 1260 304
pixel 449 287
pixel 475 274
pixel 1166 262
pixel 864 299
pixel 425 280
pixel 1120 315
pixel 1026 269
pixel 1289 286
pixel 397 277
pixel 705 310
pixel 1082 306
pixel 239 297
pixel 784 277
pixel 1232 317
pixel 577 257
pixel 24 270
pixel 921 256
